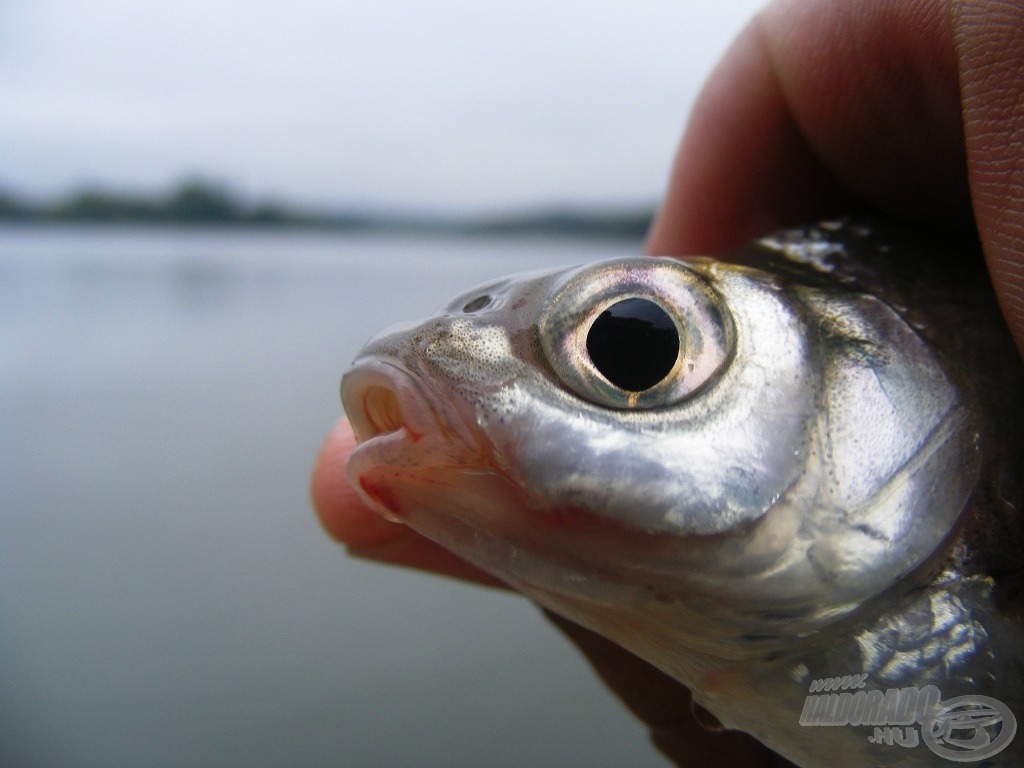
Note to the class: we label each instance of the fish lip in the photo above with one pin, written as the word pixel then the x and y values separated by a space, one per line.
pixel 369 394
pixel 387 403
pixel 415 448
pixel 382 399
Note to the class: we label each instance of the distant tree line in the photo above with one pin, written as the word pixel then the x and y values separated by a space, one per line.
pixel 192 202
pixel 198 202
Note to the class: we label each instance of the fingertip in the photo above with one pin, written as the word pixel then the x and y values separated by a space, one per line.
pixel 743 167
pixel 411 550
pixel 366 534
pixel 338 506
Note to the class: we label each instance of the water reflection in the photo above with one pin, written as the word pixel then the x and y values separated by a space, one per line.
pixel 201 285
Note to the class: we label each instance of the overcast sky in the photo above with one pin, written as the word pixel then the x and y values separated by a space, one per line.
pixel 437 104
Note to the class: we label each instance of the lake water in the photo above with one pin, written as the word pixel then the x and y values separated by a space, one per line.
pixel 166 595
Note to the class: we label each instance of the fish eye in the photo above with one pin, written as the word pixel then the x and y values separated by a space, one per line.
pixel 635 333
pixel 634 344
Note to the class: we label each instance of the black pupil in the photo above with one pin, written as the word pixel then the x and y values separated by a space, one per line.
pixel 634 344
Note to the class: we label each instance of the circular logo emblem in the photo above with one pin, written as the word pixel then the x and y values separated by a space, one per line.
pixel 969 728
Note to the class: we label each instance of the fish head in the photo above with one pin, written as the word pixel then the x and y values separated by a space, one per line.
pixel 694 458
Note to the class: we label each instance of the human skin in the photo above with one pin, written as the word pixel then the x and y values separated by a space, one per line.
pixel 911 109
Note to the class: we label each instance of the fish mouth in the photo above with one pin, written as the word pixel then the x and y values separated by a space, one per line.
pixel 419 461
pixel 388 404
pixel 378 401
pixel 413 444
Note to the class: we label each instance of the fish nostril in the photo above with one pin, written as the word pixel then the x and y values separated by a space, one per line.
pixel 382 410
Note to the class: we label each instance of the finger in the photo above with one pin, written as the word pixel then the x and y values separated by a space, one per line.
pixel 822 108
pixel 367 534
pixel 339 508
pixel 743 167
pixel 872 86
pixel 990 45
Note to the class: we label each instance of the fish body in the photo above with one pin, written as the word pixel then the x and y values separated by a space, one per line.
pixel 790 477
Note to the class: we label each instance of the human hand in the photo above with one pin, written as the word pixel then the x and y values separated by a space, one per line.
pixel 911 109
pixel 914 109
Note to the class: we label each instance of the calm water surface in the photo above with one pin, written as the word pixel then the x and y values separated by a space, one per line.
pixel 166 596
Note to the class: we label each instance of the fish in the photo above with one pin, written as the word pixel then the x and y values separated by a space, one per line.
pixel 788 475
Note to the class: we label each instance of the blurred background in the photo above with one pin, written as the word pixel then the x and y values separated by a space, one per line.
pixel 205 209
